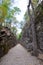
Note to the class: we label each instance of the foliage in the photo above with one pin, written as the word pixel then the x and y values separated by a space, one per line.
pixel 19 36
pixel 35 3
pixel 14 29
pixel 3 11
pixel 8 13
pixel 26 17
pixel 22 23
pixel 39 12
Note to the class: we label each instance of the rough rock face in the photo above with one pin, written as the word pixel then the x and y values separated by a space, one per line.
pixel 39 26
pixel 39 30
pixel 7 40
pixel 27 36
pixel 27 32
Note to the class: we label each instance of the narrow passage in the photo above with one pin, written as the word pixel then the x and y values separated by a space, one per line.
pixel 19 56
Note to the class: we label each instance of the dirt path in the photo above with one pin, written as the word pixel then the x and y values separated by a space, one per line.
pixel 19 56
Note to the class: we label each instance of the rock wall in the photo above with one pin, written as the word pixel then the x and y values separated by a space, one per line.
pixel 27 31
pixel 7 40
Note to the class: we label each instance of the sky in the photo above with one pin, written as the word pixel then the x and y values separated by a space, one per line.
pixel 22 4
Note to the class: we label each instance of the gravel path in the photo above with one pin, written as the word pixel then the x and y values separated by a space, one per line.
pixel 19 56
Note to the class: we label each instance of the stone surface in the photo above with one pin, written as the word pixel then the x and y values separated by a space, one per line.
pixel 19 56
pixel 40 56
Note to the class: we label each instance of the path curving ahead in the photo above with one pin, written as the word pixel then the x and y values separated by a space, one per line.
pixel 19 56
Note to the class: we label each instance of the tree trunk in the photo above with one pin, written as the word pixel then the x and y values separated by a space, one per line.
pixel 32 19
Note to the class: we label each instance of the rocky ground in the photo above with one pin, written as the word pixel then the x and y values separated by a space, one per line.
pixel 19 56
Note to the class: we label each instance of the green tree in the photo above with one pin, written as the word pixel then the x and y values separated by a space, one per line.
pixel 8 13
pixel 26 17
